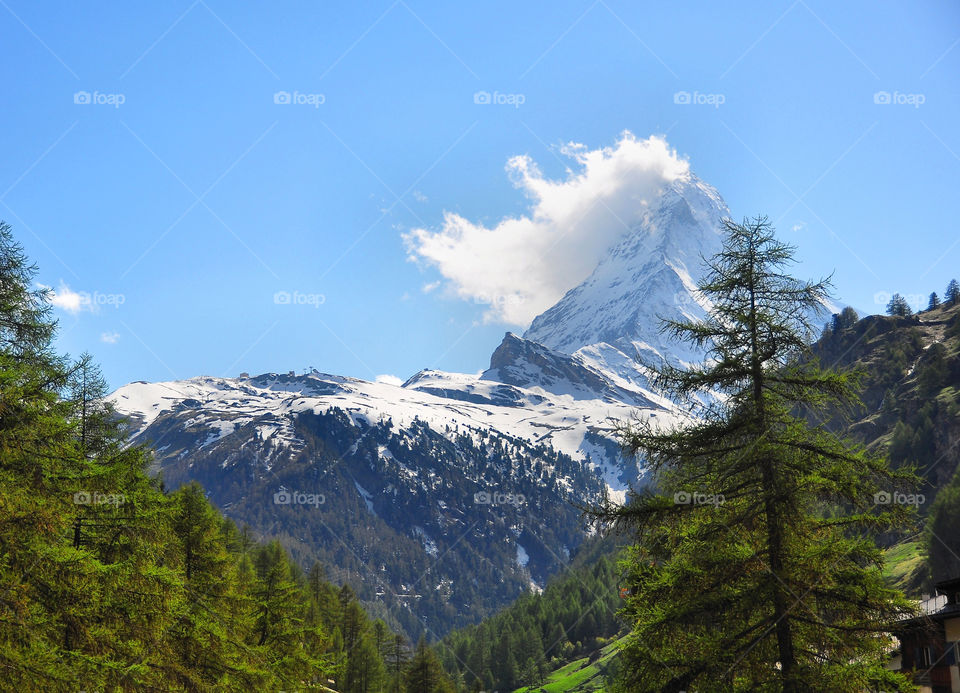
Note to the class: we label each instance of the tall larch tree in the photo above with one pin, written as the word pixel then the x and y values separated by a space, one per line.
pixel 754 566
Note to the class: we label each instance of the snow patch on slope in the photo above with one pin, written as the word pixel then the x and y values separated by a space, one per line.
pixel 367 498
pixel 273 402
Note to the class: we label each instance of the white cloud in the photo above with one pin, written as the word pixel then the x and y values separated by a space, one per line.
pixel 427 288
pixel 799 226
pixel 75 302
pixel 110 337
pixel 69 300
pixel 523 265
pixel 389 380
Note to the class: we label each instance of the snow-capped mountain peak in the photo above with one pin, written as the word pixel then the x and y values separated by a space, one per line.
pixel 614 316
pixel 497 455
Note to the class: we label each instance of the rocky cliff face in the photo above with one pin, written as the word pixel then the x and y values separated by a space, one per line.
pixel 527 364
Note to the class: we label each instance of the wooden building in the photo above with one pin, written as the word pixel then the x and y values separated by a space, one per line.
pixel 930 643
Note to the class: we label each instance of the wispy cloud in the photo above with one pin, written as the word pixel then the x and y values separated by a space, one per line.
pixel 522 265
pixel 71 301
pixel 75 302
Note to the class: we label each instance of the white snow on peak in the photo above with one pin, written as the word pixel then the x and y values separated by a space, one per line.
pixel 575 372
pixel 650 274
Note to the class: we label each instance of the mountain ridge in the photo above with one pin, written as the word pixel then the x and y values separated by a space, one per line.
pixel 421 466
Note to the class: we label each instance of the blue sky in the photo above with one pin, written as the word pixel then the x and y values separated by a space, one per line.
pixel 148 167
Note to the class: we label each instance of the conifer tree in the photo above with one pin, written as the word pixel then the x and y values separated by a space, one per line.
pixel 424 673
pixel 72 611
pixel 365 669
pixel 94 418
pixel 942 532
pixel 316 580
pixel 280 629
pixel 396 663
pixel 934 301
pixel 754 566
pixel 953 292
pixel 380 635
pixel 848 318
pixel 213 624
pixel 107 583
pixel 898 306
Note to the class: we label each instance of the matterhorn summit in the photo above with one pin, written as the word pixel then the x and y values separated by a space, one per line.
pixel 651 274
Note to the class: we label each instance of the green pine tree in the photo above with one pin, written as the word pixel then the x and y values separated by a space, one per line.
pixel 942 532
pixel 424 672
pixel 898 306
pixel 754 566
pixel 107 583
pixel 952 294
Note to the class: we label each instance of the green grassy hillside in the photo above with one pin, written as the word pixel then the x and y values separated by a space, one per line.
pixel 904 566
pixel 584 674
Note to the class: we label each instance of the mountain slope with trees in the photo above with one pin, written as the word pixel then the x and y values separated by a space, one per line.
pixel 909 383
pixel 909 366
pixel 107 582
pixel 390 501
pixel 573 618
pixel 910 388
